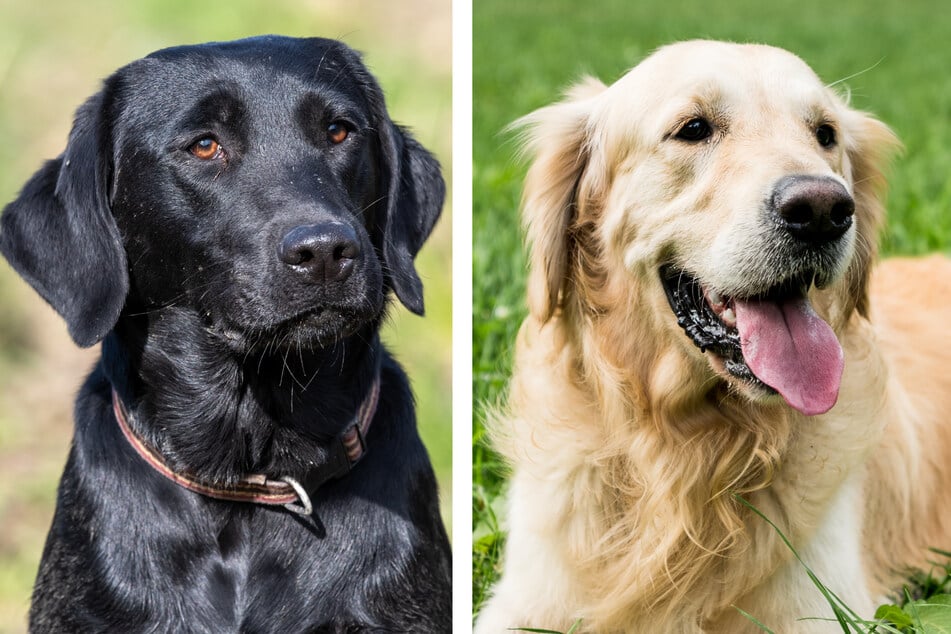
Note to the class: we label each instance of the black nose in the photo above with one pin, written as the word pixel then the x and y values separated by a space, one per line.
pixel 324 252
pixel 813 209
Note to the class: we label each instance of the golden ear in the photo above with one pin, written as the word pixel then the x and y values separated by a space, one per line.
pixel 870 146
pixel 557 138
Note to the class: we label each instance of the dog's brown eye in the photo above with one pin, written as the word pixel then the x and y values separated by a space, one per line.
pixel 337 132
pixel 825 134
pixel 695 130
pixel 206 149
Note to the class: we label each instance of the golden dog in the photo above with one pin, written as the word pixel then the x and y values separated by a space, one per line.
pixel 705 324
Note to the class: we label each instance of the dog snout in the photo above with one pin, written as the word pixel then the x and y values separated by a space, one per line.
pixel 324 252
pixel 813 209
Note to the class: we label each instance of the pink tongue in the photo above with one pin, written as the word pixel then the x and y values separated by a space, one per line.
pixel 789 348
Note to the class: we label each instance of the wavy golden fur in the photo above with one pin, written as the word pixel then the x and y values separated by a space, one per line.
pixel 627 443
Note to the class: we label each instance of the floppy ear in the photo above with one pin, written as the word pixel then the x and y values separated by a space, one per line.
pixel 870 147
pixel 415 199
pixel 558 139
pixel 59 233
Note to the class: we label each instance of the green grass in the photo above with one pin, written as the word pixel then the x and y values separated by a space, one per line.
pixel 930 614
pixel 526 53
pixel 53 54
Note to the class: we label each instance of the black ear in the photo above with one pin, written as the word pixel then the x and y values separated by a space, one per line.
pixel 59 233
pixel 415 200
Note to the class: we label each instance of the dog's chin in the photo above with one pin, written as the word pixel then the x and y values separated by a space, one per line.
pixel 319 327
pixel 785 349
pixel 741 380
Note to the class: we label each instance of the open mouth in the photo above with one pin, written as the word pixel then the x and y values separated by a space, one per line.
pixel 773 341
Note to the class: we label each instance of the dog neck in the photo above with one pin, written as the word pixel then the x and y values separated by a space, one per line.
pixel 641 439
pixel 219 414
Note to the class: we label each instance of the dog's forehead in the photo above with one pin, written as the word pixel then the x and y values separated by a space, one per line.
pixel 747 81
pixel 704 57
pixel 270 69
pixel 308 58
pixel 701 66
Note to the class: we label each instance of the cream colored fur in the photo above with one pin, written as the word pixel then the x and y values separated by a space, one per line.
pixel 627 444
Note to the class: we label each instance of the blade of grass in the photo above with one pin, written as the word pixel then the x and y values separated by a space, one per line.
pixel 841 611
pixel 753 619
pixel 912 610
pixel 571 630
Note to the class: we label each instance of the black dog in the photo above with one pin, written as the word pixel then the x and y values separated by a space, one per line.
pixel 228 219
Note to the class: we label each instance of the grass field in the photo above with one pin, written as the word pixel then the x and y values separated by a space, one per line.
pixel 53 54
pixel 524 54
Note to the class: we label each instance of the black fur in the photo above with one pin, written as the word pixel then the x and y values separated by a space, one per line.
pixel 231 360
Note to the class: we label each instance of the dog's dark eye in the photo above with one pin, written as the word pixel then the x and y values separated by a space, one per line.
pixel 337 132
pixel 206 149
pixel 825 134
pixel 694 130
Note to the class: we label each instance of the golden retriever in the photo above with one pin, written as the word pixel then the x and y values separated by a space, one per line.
pixel 705 324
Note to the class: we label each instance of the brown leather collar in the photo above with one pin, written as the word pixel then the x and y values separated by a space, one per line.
pixel 347 450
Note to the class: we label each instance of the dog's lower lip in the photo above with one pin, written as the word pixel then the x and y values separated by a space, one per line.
pixel 698 310
pixel 302 317
pixel 708 317
pixel 237 333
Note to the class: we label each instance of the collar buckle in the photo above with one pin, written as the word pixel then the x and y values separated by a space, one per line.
pixel 346 450
pixel 305 507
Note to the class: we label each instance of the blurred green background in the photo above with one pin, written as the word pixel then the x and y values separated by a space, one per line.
pixel 895 54
pixel 53 54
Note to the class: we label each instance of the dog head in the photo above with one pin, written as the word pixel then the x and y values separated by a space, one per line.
pixel 260 184
pixel 722 197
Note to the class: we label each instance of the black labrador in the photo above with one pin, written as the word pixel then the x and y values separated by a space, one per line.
pixel 228 219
